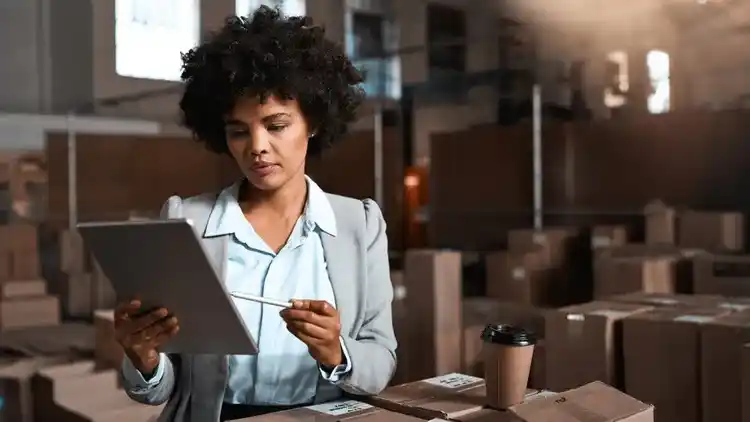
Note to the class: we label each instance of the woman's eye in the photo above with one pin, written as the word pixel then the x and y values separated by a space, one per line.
pixel 236 133
pixel 276 128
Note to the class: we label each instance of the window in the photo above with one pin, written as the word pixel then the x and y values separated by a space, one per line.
pixel 151 35
pixel 369 37
pixel 616 84
pixel 446 35
pixel 287 7
pixel 657 63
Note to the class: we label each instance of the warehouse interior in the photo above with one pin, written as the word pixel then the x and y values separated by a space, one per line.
pixel 570 167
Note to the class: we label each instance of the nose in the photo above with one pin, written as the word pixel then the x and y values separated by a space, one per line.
pixel 260 142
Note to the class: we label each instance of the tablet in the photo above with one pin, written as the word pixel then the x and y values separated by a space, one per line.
pixel 164 263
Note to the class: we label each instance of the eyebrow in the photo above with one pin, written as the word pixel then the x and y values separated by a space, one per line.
pixel 235 122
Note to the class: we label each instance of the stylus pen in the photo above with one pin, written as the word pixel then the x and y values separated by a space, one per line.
pixel 261 299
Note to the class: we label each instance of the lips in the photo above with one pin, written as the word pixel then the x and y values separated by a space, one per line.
pixel 263 169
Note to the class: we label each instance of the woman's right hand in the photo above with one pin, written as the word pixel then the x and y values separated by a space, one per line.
pixel 141 333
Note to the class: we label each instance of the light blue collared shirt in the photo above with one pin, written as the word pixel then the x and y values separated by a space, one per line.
pixel 283 372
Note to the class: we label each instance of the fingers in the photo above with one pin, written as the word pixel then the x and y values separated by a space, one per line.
pixel 147 320
pixel 320 307
pixel 124 309
pixel 154 335
pixel 312 331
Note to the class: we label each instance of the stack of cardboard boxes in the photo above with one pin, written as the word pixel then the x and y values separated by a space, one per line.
pixel 24 301
pixel 80 283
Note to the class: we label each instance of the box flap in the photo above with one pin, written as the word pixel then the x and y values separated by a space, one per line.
pixel 594 402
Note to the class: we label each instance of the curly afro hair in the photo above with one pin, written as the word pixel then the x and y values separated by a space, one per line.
pixel 269 54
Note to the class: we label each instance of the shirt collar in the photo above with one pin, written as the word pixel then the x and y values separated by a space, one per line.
pixel 227 213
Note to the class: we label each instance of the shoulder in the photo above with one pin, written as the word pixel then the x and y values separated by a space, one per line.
pixel 358 214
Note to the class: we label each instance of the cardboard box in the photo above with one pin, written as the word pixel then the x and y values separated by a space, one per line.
pixel 727 275
pixel 107 352
pixel 614 275
pixel 661 223
pixel 584 344
pixel 75 293
pixel 480 311
pixel 15 387
pixel 75 383
pixel 29 312
pixel 592 402
pixel 721 357
pixel 555 243
pixel 335 411
pixel 450 396
pixel 436 310
pixel 523 278
pixel 12 289
pixel 662 359
pixel 18 237
pixel 608 236
pixel 745 389
pixel 714 231
pixel 25 264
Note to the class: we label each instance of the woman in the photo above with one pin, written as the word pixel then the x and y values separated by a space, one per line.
pixel 268 91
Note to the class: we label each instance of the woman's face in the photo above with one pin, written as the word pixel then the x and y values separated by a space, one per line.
pixel 268 140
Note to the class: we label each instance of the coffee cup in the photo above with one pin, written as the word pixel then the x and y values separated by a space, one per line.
pixel 507 353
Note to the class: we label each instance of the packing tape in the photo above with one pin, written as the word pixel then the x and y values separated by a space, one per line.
pixel 518 273
pixel 539 239
pixel 601 242
pixel 696 319
pixel 735 307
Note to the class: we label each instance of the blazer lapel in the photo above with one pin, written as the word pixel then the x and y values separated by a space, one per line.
pixel 340 258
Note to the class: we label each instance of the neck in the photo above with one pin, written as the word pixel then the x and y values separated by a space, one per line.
pixel 288 199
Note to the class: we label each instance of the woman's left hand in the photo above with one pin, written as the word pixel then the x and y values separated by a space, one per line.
pixel 316 323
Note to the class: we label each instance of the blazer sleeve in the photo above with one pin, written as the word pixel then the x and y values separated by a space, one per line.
pixel 157 393
pixel 373 351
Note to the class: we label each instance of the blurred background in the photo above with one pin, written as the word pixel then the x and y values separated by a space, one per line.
pixel 486 121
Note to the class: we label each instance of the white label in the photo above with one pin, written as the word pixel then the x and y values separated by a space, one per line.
pixel 601 242
pixel 698 319
pixel 453 380
pixel 734 307
pixel 438 420
pixel 575 317
pixel 539 239
pixel 340 407
pixel 518 273
pixel 609 313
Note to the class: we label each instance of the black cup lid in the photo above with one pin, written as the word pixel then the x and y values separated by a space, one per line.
pixel 508 335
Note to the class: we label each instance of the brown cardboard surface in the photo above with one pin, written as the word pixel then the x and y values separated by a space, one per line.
pixel 15 387
pixel 669 300
pixel 29 312
pixel 335 411
pixel 662 359
pixel 727 275
pixel 72 384
pixel 107 352
pixel 25 264
pixel 553 241
pixel 721 361
pixel 538 375
pixel 745 385
pixel 712 230
pixel 18 237
pixel 522 278
pixel 447 396
pixel 620 275
pixel 609 236
pixel 435 309
pixel 480 311
pixel 661 223
pixel 594 402
pixel 584 344
pixel 11 289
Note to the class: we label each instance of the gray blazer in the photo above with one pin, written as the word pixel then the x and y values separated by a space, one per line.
pixel 357 257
